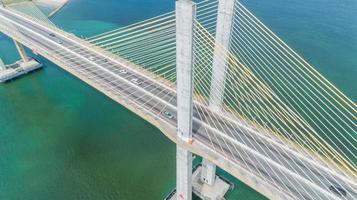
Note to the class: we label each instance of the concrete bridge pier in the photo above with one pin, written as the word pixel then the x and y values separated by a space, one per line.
pixel 208 172
pixel 204 181
pixel 2 65
pixel 19 68
pixel 223 37
pixel 185 15
pixel 20 48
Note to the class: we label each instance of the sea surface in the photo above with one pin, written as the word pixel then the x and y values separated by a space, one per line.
pixel 61 139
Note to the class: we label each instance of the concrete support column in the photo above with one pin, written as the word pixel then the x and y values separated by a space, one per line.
pixel 183 174
pixel 208 173
pixel 185 15
pixel 2 65
pixel 223 37
pixel 20 48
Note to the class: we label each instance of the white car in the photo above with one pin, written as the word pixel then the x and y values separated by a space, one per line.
pixel 136 81
pixel 123 71
pixel 91 58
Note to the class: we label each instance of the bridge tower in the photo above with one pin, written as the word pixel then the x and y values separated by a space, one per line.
pixel 223 37
pixel 185 16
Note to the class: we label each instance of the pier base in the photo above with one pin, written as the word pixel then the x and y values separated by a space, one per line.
pixel 17 69
pixel 203 190
pixel 209 192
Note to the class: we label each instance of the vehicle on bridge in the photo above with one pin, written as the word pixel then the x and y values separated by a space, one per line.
pixel 168 114
pixel 136 81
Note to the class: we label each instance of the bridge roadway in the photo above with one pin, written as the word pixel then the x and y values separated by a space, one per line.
pixel 277 170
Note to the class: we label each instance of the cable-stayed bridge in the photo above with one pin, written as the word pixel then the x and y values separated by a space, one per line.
pixel 220 84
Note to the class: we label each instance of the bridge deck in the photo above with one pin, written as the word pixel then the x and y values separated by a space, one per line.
pixel 289 178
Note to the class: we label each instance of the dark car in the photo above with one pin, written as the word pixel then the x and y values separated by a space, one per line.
pixel 168 114
pixel 338 190
pixel 52 35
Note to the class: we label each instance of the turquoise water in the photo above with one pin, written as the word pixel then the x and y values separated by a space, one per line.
pixel 324 32
pixel 61 139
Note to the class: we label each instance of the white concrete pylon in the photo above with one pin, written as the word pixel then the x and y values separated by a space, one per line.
pixel 223 37
pixel 183 174
pixel 2 65
pixel 20 48
pixel 208 173
pixel 185 15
